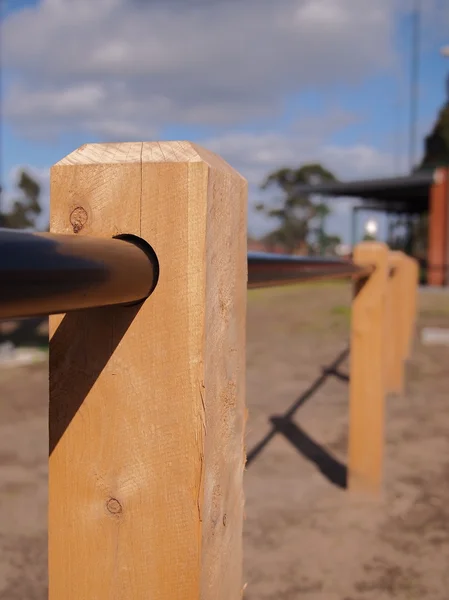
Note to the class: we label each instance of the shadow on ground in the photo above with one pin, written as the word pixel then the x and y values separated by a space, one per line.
pixel 329 466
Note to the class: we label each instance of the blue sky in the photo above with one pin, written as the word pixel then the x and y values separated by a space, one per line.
pixel 273 84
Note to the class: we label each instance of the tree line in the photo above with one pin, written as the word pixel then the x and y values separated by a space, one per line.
pixel 26 207
pixel 301 221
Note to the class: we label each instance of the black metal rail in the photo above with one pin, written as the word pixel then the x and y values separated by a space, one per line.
pixel 276 269
pixel 43 274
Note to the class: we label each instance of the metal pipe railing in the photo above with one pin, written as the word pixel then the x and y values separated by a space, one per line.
pixel 43 274
pixel 276 269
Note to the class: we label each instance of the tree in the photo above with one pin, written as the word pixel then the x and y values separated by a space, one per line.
pixel 368 237
pixel 322 211
pixel 329 244
pixel 296 211
pixel 436 152
pixel 26 208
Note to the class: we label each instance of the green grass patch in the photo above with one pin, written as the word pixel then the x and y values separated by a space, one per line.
pixel 285 290
pixel 341 310
pixel 435 312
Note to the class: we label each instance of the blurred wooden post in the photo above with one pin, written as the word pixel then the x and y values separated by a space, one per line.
pixel 367 380
pixel 147 402
pixel 412 278
pixel 398 314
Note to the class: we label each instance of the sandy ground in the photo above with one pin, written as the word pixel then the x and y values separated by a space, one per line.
pixel 23 483
pixel 305 536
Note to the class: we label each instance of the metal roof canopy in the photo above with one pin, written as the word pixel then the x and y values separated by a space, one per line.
pixel 407 194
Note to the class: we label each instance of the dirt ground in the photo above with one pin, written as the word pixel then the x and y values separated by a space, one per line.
pixel 305 536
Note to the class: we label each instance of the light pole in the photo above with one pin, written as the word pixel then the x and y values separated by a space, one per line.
pixel 371 229
pixel 445 52
pixel 414 80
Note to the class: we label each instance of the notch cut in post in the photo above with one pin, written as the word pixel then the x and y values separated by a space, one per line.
pixel 147 402
pixel 367 386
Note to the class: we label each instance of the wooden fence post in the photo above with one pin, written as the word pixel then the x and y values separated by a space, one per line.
pixel 412 283
pixel 398 314
pixel 147 402
pixel 367 380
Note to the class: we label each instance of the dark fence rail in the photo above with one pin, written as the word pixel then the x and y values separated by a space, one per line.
pixel 42 274
pixel 276 269
pixel 48 273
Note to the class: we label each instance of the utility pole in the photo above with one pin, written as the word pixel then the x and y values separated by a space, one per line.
pixel 445 53
pixel 414 80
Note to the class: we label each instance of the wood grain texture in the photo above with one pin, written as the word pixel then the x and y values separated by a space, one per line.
pixel 147 402
pixel 367 380
pixel 397 323
pixel 404 305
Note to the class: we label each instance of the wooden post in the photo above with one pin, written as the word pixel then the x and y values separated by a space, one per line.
pixel 412 283
pixel 367 381
pixel 147 402
pixel 397 323
pixel 403 309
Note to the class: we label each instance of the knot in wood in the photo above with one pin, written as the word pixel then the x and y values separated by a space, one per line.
pixel 114 506
pixel 78 218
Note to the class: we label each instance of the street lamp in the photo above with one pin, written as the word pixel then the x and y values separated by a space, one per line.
pixel 371 228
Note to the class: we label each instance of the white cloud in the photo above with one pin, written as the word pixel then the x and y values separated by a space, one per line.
pixel 87 64
pixel 255 155
pixel 124 69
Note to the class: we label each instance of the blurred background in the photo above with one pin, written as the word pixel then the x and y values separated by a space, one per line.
pixel 337 113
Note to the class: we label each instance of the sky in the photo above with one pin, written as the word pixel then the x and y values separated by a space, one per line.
pixel 264 83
